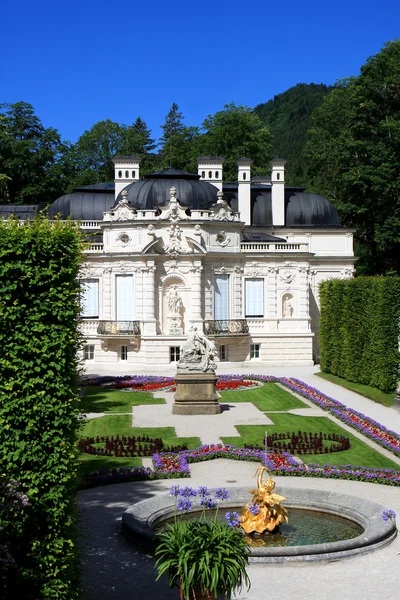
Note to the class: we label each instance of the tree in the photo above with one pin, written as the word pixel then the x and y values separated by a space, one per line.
pixel 233 133
pixel 30 157
pixel 177 141
pixel 353 158
pixel 91 156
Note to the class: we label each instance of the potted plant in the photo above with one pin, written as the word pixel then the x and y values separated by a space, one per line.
pixel 204 558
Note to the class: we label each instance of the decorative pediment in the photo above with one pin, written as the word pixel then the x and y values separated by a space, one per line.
pixel 123 212
pixel 174 211
pixel 221 211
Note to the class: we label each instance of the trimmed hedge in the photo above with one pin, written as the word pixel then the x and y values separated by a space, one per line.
pixel 359 330
pixel 39 313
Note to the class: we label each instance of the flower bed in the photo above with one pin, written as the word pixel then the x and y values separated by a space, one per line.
pixel 176 465
pixel 127 446
pixel 151 383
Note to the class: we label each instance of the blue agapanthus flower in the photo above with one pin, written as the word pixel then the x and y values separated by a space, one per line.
pixel 208 502
pixel 187 492
pixel 253 508
pixel 388 515
pixel 203 491
pixel 222 494
pixel 184 504
pixel 175 490
pixel 232 519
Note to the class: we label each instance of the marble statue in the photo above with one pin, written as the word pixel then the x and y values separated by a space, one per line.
pixel 287 308
pixel 197 352
pixel 174 301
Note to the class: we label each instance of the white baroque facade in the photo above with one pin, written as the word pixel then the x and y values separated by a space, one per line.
pixel 242 262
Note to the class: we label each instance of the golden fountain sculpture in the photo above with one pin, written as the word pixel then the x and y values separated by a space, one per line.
pixel 264 512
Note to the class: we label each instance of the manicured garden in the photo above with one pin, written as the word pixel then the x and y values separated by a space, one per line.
pixel 359 459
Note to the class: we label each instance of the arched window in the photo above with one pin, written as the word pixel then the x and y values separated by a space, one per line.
pixel 127 174
pixel 278 176
pixel 244 175
pixel 119 173
pixel 133 174
pixel 216 174
pixel 203 174
pixel 209 174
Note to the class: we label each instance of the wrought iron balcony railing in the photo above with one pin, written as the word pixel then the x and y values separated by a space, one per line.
pixel 229 327
pixel 118 328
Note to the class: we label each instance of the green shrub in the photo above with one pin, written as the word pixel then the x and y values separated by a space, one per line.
pixel 359 330
pixel 39 312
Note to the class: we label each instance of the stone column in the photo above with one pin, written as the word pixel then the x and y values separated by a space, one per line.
pixel 106 312
pixel 197 317
pixel 149 299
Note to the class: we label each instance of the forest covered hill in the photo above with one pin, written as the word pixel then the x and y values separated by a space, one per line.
pixel 288 116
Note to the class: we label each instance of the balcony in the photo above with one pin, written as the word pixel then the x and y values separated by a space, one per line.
pixel 226 328
pixel 118 328
pixel 276 248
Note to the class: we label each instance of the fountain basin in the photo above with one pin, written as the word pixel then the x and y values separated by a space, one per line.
pixel 140 521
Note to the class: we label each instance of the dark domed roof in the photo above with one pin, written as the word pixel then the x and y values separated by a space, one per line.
pixel 87 203
pixel 306 208
pixel 154 190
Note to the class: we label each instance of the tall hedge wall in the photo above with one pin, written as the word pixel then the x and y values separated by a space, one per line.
pixel 359 330
pixel 39 311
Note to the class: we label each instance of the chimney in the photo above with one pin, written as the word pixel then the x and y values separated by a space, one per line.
pixel 278 191
pixel 244 189
pixel 126 171
pixel 210 169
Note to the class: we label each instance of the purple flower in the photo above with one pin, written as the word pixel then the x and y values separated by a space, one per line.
pixel 184 504
pixel 388 515
pixel 253 508
pixel 208 502
pixel 175 490
pixel 232 519
pixel 203 491
pixel 187 492
pixel 222 494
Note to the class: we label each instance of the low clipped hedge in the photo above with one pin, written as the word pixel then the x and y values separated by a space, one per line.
pixel 39 312
pixel 359 330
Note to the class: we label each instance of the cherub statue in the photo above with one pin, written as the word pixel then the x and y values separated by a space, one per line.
pixel 264 512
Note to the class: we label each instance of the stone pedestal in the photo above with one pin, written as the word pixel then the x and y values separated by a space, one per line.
pixel 196 394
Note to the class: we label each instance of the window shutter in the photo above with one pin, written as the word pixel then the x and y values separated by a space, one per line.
pixel 254 297
pixel 124 289
pixel 221 298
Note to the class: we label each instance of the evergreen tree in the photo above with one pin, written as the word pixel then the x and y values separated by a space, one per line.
pixel 30 157
pixel 177 141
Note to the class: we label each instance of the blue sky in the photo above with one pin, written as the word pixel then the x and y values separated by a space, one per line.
pixel 81 62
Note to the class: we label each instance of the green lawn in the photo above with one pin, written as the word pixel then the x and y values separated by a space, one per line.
pixel 100 399
pixel 365 390
pixel 268 397
pixel 360 454
pixel 121 425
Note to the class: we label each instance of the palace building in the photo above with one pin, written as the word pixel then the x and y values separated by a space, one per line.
pixel 240 261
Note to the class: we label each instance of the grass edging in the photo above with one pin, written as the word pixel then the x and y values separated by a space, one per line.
pixel 367 391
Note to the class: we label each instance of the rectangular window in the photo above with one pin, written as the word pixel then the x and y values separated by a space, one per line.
pixel 254 350
pixel 174 353
pixel 221 298
pixel 124 353
pixel 88 352
pixel 125 298
pixel 90 298
pixel 254 293
pixel 222 352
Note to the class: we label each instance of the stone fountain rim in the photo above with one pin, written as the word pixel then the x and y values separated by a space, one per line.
pixel 139 520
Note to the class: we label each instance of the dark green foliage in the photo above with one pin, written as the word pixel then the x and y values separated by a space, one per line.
pixel 288 116
pixel 353 158
pixel 39 312
pixel 234 133
pixel 359 330
pixel 177 142
pixel 31 157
